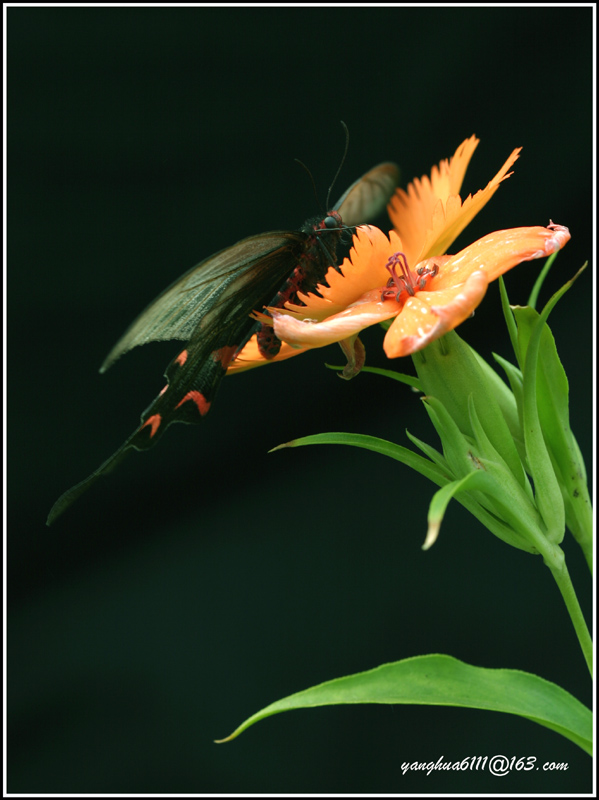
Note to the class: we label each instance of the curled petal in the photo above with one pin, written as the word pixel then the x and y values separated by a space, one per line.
pixel 356 356
pixel 310 333
pixel 429 315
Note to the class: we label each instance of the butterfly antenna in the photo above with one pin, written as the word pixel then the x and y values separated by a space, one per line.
pixel 342 161
pixel 301 163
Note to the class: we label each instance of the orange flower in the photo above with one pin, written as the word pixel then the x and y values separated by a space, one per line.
pixel 407 277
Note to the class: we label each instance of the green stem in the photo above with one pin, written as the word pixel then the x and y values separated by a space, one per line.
pixel 564 583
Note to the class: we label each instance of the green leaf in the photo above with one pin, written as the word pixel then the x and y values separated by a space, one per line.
pixel 409 380
pixel 547 489
pixel 445 681
pixel 437 473
pixel 440 501
pixel 552 401
pixel 382 446
pixel 534 295
pixel 509 317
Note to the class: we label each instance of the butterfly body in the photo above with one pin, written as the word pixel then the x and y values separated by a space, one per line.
pixel 210 309
pixel 319 251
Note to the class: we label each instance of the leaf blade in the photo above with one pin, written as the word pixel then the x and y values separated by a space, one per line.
pixel 443 680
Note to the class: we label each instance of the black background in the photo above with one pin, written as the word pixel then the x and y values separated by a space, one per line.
pixel 206 579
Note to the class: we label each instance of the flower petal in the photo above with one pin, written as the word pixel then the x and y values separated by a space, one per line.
pixel 310 333
pixel 355 353
pixel 456 291
pixel 362 271
pixel 428 315
pixel 498 252
pixel 458 215
pixel 430 215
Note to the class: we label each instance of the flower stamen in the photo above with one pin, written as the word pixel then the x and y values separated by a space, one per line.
pixel 406 282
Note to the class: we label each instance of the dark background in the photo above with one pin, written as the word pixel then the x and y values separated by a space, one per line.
pixel 206 578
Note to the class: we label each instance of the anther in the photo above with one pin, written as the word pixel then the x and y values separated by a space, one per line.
pixel 406 282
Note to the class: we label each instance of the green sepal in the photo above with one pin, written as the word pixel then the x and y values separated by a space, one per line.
pixel 408 380
pixel 505 496
pixel 450 371
pixel 497 492
pixel 480 505
pixel 547 490
pixel 508 315
pixel 505 399
pixel 534 295
pixel 516 381
pixel 479 481
pixel 456 446
pixel 524 494
pixel 435 456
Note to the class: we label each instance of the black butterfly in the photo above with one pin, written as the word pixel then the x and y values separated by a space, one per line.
pixel 209 308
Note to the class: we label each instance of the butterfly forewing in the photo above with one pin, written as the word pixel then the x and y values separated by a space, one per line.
pixel 179 311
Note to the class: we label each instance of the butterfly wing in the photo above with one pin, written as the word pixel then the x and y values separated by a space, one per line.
pixel 232 282
pixel 238 279
pixel 192 382
pixel 209 306
pixel 368 196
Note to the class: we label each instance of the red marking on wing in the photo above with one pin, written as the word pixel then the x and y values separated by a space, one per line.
pixel 162 391
pixel 181 358
pixel 199 399
pixel 154 421
pixel 224 355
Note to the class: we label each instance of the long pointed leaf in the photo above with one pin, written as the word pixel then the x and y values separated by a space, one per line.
pixel 385 448
pixel 446 681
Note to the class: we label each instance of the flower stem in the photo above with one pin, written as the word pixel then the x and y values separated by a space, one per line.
pixel 562 578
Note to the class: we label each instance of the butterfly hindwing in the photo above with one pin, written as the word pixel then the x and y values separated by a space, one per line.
pixel 186 397
pixel 367 197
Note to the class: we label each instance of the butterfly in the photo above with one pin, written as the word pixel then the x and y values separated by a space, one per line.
pixel 210 308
